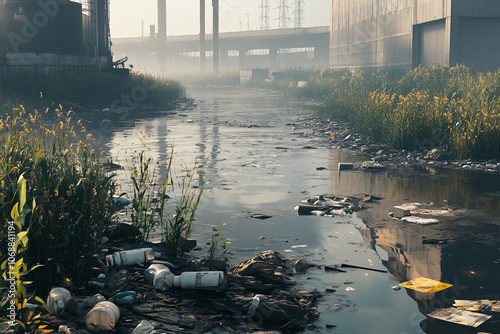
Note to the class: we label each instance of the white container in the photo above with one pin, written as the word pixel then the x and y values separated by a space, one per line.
pixel 205 280
pixel 103 317
pixel 130 257
pixel 57 300
pixel 163 279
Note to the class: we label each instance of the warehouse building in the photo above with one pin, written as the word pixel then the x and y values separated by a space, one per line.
pixel 54 36
pixel 409 33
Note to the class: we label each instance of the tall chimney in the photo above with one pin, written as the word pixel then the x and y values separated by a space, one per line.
pixel 202 36
pixel 215 5
pixel 162 21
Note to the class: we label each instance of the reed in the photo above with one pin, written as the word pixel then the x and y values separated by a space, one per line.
pixel 73 193
pixel 456 108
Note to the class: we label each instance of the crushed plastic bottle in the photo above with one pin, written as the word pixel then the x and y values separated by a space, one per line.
pixel 57 300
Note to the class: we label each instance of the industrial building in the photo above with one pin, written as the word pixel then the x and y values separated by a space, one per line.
pixel 54 36
pixel 409 33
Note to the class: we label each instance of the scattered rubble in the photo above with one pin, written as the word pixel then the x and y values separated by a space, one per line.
pixel 380 156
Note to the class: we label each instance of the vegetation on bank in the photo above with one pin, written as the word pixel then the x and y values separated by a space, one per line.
pixel 456 108
pixel 228 78
pixel 66 203
pixel 103 90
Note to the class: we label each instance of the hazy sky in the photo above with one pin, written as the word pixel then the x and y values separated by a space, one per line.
pixel 183 15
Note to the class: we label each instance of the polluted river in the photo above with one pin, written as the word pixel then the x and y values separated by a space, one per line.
pixel 255 155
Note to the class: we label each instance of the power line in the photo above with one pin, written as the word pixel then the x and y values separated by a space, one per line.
pixel 299 13
pixel 284 17
pixel 264 14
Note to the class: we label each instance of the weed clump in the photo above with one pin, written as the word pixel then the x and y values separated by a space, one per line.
pixel 71 189
pixel 456 108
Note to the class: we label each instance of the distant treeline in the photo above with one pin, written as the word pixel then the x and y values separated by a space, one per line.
pixel 102 90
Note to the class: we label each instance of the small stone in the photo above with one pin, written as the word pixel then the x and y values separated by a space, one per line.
pixel 437 154
pixel 337 307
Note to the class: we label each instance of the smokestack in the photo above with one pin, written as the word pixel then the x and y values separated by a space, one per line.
pixel 162 21
pixel 202 36
pixel 215 5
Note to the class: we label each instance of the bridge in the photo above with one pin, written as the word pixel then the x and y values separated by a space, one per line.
pixel 273 49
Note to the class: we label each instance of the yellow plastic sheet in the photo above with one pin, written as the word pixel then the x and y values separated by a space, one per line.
pixel 425 285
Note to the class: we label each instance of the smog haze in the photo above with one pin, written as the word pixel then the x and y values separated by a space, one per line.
pixel 128 16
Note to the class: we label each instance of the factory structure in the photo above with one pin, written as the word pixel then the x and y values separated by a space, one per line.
pixel 409 33
pixel 55 37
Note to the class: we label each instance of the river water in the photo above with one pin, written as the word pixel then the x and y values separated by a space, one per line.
pixel 255 157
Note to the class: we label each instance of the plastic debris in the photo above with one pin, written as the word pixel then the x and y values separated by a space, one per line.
pixel 467 318
pixel 420 221
pixel 143 327
pixel 103 317
pixel 425 285
pixel 124 298
pixel 478 305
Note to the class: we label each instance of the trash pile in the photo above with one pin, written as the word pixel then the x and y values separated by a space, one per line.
pixel 331 205
pixel 139 293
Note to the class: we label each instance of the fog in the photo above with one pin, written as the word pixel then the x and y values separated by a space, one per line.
pixel 132 18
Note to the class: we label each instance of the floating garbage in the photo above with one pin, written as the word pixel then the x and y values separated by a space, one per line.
pixel 467 318
pixel 103 317
pixel 425 285
pixel 482 305
pixel 130 257
pixel 420 221
pixel 57 300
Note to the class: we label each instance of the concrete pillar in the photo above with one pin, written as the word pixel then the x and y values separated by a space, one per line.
pixel 242 55
pixel 454 40
pixel 215 5
pixel 273 59
pixel 202 37
pixel 162 21
pixel 321 56
pixel 224 59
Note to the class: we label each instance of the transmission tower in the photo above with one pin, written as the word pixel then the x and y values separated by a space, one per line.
pixel 264 14
pixel 299 13
pixel 284 17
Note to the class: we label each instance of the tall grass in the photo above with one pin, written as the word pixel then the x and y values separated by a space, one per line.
pixel 456 108
pixel 72 192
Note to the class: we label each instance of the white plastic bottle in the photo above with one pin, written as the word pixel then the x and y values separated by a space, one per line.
pixel 57 300
pixel 205 280
pixel 130 257
pixel 103 317
pixel 163 279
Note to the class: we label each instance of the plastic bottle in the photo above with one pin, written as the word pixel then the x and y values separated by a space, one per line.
pixel 103 317
pixel 162 278
pixel 130 257
pixel 57 300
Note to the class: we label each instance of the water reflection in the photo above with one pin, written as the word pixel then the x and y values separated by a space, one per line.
pixel 473 267
pixel 246 172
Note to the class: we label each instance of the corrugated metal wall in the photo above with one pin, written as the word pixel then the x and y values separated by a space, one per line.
pixel 413 32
